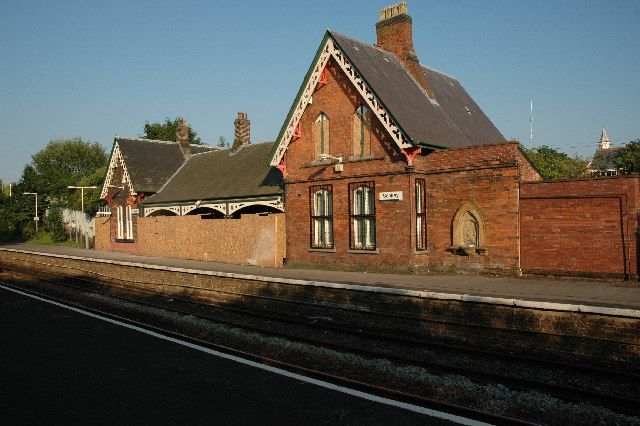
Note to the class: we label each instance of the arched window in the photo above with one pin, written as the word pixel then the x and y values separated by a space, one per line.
pixel 363 216
pixel 321 134
pixel 129 223
pixel 321 217
pixel 362 132
pixel 120 232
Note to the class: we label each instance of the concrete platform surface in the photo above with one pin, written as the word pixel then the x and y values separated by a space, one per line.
pixel 62 366
pixel 611 293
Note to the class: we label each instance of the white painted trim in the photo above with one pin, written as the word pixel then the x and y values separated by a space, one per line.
pixel 305 99
pixel 172 209
pixel 219 207
pixel 331 49
pixel 116 158
pixel 276 204
pixel 265 367
pixel 519 303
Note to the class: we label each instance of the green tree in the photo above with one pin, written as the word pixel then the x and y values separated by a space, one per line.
pixel 222 142
pixel 92 201
pixel 628 159
pixel 552 164
pixel 55 225
pixel 167 131
pixel 63 162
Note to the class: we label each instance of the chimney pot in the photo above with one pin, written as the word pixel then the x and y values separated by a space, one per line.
pixel 182 136
pixel 394 33
pixel 242 134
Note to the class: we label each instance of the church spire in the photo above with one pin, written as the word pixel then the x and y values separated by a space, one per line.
pixel 604 139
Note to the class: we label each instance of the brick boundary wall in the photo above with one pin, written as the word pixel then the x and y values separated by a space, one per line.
pixel 581 227
pixel 498 324
pixel 252 239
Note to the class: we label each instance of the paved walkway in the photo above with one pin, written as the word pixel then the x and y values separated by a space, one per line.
pixel 616 294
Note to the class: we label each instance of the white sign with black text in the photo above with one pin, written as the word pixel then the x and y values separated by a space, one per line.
pixel 391 196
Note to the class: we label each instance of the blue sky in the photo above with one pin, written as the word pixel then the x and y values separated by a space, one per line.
pixel 97 69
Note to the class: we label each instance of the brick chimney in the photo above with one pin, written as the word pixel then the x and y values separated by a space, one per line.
pixel 242 135
pixel 182 136
pixel 394 33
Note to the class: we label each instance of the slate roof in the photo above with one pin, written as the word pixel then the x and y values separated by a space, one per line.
pixel 604 160
pixel 222 174
pixel 453 121
pixel 151 163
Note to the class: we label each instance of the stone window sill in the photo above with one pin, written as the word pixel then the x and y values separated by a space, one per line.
pixel 357 158
pixel 353 251
pixel 468 250
pixel 124 241
pixel 322 250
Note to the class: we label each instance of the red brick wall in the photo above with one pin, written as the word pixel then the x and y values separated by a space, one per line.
pixel 494 191
pixel 121 197
pixel 385 167
pixel 487 176
pixel 585 226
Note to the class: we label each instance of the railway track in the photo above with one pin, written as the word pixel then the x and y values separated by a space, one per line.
pixel 472 414
pixel 370 344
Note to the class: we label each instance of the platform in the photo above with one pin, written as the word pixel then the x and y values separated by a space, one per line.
pixel 591 293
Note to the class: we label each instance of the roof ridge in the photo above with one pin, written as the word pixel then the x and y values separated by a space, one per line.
pixel 120 138
pixel 438 71
pixel 380 50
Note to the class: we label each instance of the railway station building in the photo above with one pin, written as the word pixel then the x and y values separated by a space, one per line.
pixel 391 164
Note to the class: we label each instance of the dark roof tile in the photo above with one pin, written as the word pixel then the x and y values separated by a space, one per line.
pixel 443 123
pixel 151 163
pixel 222 174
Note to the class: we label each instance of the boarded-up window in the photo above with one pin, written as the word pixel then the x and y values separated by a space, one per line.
pixel 321 135
pixel 361 132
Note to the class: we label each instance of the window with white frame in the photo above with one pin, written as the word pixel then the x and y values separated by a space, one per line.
pixel 321 216
pixel 129 223
pixel 363 216
pixel 120 223
pixel 421 216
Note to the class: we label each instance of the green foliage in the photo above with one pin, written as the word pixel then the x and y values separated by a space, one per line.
pixel 628 159
pixel 167 131
pixel 222 142
pixel 55 225
pixel 91 196
pixel 552 164
pixel 61 163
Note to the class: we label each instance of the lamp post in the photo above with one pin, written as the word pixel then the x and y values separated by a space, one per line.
pixel 35 218
pixel 82 188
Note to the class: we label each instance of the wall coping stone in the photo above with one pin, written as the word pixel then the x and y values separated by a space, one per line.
pixel 517 303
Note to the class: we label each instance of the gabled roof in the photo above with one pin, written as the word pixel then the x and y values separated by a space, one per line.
pixel 148 163
pixel 222 174
pixel 452 120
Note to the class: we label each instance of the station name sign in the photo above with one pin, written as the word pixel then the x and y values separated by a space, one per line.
pixel 390 196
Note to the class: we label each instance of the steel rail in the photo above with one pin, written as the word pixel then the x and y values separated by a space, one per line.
pixel 563 392
pixel 381 391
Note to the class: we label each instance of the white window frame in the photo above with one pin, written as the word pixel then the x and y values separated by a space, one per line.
pixel 129 219
pixel 120 232
pixel 363 216
pixel 321 217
